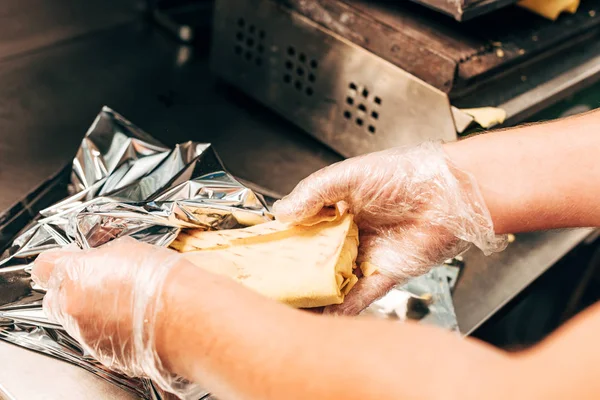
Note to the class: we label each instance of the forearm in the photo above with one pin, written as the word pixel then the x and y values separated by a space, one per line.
pixel 246 346
pixel 537 177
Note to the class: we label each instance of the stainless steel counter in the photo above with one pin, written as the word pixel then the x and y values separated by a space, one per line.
pixel 50 93
pixel 48 98
pixel 29 375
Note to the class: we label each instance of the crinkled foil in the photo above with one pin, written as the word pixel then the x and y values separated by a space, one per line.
pixel 126 183
pixel 427 298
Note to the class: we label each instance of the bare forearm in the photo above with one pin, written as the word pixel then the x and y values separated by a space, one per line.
pixel 242 345
pixel 537 177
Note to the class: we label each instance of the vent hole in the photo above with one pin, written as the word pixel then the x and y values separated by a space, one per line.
pixel 260 48
pixel 362 107
pixel 311 77
pixel 300 71
pixel 241 22
pixel 261 34
pixel 309 91
pixel 375 114
pixel 250 42
pixel 353 86
pixel 291 51
pixel 287 78
pixel 349 100
pixel 289 65
pixel 298 85
pixel 251 28
pixel 302 57
pixel 359 121
pixel 314 64
pixel 239 36
pixel 371 129
pixel 365 93
pixel 347 114
pixel 248 56
pixel 377 100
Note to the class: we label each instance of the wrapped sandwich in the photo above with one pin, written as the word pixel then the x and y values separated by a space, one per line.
pixel 304 266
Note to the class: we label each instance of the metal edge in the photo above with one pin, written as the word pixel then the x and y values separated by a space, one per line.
pixel 585 233
pixel 408 74
pixel 350 43
pixel 485 7
pixel 29 206
pixel 464 14
pixel 294 14
pixel 550 92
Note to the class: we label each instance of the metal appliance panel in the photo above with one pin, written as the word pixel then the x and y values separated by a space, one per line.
pixel 345 96
pixel 463 10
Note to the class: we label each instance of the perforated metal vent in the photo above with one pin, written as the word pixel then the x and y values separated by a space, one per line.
pixel 249 42
pixel 337 91
pixel 362 107
pixel 300 71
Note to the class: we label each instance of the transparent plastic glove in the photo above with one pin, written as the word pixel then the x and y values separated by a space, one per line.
pixel 414 210
pixel 108 299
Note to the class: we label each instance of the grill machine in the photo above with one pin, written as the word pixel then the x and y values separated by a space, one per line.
pixel 367 75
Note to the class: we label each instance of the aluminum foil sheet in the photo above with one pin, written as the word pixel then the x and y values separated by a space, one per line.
pixel 427 298
pixel 126 183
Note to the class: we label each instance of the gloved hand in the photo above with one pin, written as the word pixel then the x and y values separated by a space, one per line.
pixel 414 210
pixel 108 299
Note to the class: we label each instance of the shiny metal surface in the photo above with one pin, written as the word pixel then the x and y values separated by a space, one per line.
pixel 426 299
pixel 350 99
pixel 124 182
pixel 32 376
pixel 488 283
pixel 559 87
pixel 570 68
pixel 57 21
pixel 179 100
pixel 463 10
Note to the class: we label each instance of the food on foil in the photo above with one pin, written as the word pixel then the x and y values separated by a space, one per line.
pixel 401 305
pixel 304 266
pixel 123 182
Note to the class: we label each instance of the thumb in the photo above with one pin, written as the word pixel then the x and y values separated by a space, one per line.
pixel 398 254
pixel 323 188
pixel 45 263
pixel 366 291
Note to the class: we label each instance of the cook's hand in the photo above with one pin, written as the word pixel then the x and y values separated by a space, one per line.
pixel 109 299
pixel 414 210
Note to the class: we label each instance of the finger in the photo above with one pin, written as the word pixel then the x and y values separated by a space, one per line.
pixel 51 302
pixel 406 252
pixel 389 254
pixel 366 291
pixel 44 264
pixel 126 241
pixel 43 267
pixel 323 188
pixel 49 306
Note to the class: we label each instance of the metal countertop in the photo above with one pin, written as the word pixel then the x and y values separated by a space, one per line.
pixel 49 98
pixel 50 94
